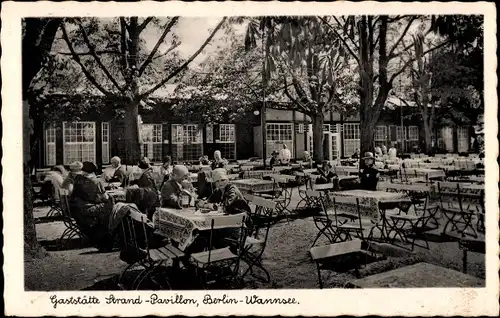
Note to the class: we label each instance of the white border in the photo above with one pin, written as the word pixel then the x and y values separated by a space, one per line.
pixel 451 301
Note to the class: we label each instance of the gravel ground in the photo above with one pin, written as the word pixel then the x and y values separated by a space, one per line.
pixel 286 258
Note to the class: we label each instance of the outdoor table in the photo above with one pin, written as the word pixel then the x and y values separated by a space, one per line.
pixel 426 173
pixel 415 188
pixel 419 275
pixel 372 203
pixel 345 169
pixel 184 226
pixel 119 195
pixel 254 185
pixel 253 174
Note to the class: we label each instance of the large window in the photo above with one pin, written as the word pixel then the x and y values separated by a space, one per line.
pixel 412 138
pixel 187 142
pixel 277 135
pixel 105 142
pixel 413 133
pixel 351 138
pixel 463 139
pixel 78 141
pixel 400 136
pixel 50 146
pixel 227 139
pixel 210 134
pixel 380 136
pixel 152 142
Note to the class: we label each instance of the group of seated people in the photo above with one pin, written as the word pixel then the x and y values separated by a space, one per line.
pixel 96 213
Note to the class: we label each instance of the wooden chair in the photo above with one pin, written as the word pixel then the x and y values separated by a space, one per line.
pixel 256 241
pixel 322 221
pixel 449 193
pixel 321 255
pixel 136 250
pixel 221 264
pixel 347 224
pixel 72 228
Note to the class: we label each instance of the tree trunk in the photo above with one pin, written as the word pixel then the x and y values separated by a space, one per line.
pixel 317 126
pixel 132 148
pixel 427 135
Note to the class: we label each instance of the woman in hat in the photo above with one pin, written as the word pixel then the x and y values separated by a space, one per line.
pixel 176 187
pixel 326 175
pixel 369 176
pixel 225 194
pixel 75 169
pixel 91 206
pixel 146 180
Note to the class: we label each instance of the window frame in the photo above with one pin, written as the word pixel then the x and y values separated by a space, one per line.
pixel 65 143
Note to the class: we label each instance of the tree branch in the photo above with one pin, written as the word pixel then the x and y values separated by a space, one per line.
pixel 294 100
pixel 123 47
pixel 413 19
pixel 185 64
pixel 341 39
pixel 411 60
pixel 83 68
pixel 168 27
pixel 170 49
pixel 144 24
pixel 89 53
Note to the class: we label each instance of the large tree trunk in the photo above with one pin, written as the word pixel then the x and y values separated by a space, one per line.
pixel 132 148
pixel 428 135
pixel 38 36
pixel 317 126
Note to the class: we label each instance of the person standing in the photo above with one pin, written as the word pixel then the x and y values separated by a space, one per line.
pixel 285 155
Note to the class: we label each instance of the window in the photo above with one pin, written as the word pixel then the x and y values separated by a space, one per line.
pixel 78 141
pixel 277 135
pixel 105 142
pixel 380 136
pixel 152 142
pixel 447 138
pixel 351 138
pixel 399 135
pixel 463 139
pixel 227 141
pixel 210 133
pixel 50 146
pixel 187 142
pixel 413 133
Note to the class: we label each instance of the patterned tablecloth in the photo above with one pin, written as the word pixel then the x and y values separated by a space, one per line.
pixel 119 195
pixel 183 226
pixel 371 202
pixel 254 185
pixel 417 188
pixel 252 174
pixel 345 169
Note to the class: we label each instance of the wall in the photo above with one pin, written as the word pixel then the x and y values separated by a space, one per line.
pixel 244 141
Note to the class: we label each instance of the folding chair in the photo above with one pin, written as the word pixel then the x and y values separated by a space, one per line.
pixel 54 204
pixel 136 250
pixel 305 200
pixel 322 255
pixel 402 225
pixel 347 224
pixel 280 196
pixel 322 221
pixel 449 192
pixel 221 264
pixel 72 228
pixel 256 241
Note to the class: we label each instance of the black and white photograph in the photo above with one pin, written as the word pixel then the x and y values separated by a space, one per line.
pixel 169 153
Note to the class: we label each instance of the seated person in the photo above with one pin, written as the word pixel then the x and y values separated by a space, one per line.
pixel 274 159
pixel 120 173
pixel 226 194
pixel 175 187
pixel 75 169
pixel 204 160
pixel 91 206
pixel 378 152
pixel 355 155
pixel 218 162
pixel 53 181
pixel 166 169
pixel 308 161
pixel 325 174
pixel 369 176
pixel 146 180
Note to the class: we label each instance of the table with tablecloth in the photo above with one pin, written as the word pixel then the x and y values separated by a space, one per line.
pixel 345 169
pixel 254 174
pixel 183 226
pixel 254 185
pixel 372 202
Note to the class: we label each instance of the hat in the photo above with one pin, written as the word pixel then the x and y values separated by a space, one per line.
pixel 219 174
pixel 368 155
pixel 89 167
pixel 75 166
pixel 144 163
pixel 179 171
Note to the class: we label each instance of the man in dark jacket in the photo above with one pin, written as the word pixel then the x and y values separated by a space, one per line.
pixel 120 172
pixel 369 176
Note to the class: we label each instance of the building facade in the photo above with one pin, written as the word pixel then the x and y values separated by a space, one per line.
pixel 97 138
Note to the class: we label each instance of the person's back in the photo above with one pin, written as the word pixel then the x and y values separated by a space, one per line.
pixel 392 153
